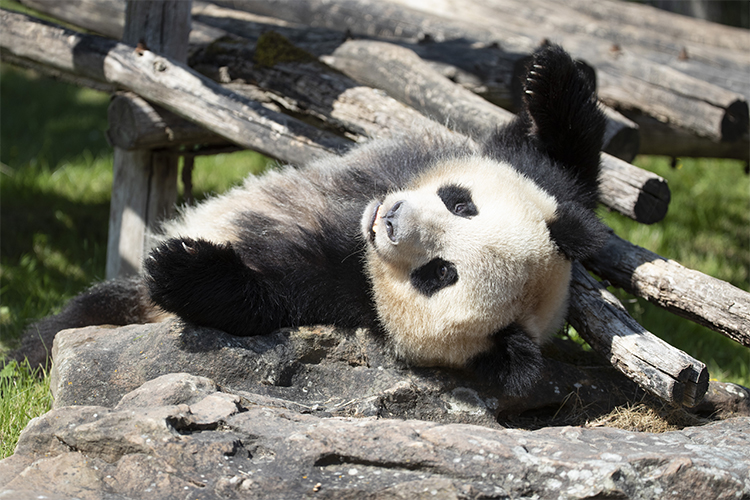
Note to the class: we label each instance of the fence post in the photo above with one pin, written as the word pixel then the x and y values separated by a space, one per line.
pixel 144 185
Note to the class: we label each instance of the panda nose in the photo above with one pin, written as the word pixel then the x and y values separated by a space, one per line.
pixel 391 221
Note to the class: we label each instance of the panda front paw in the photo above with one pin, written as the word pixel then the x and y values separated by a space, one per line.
pixel 182 274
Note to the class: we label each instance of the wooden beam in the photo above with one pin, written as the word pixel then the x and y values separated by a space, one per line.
pixel 144 184
pixel 168 84
pixel 691 294
pixel 656 366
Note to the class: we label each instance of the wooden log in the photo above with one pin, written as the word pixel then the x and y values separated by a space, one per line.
pixel 726 66
pixel 659 138
pixel 700 107
pixel 634 192
pixel 138 176
pixel 637 193
pixel 656 366
pixel 658 22
pixel 168 84
pixel 136 124
pixel 488 71
pixel 691 294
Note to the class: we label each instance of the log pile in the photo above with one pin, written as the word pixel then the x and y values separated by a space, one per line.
pixel 323 90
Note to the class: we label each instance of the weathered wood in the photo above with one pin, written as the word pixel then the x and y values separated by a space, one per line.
pixel 166 83
pixel 632 191
pixel 722 115
pixel 726 66
pixel 658 22
pixel 639 194
pixel 144 188
pixel 691 294
pixel 488 69
pixel 136 124
pixel 656 366
pixel 627 82
pixel 137 175
pixel 657 138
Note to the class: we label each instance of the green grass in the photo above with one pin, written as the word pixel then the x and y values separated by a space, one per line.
pixel 55 183
pixel 24 394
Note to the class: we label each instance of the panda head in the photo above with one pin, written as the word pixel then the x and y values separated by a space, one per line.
pixel 462 253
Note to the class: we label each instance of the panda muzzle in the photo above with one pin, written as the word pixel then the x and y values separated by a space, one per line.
pixel 392 221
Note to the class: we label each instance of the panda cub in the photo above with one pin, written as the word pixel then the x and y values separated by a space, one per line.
pixel 457 252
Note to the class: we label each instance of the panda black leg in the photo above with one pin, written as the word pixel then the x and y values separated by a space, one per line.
pixel 209 285
pixel 514 363
pixel 560 99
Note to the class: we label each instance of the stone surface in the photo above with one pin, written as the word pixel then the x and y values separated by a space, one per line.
pixel 321 370
pixel 197 442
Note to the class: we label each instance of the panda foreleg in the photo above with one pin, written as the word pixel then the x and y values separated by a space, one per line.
pixel 514 362
pixel 208 284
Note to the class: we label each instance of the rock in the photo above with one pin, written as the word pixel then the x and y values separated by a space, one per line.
pixel 321 370
pixel 202 443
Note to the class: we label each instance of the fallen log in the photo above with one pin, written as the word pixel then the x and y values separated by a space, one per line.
pixel 721 115
pixel 725 65
pixel 657 138
pixel 691 294
pixel 168 84
pixel 656 366
pixel 658 22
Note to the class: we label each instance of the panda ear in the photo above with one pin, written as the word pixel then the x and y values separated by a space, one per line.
pixel 559 101
pixel 577 232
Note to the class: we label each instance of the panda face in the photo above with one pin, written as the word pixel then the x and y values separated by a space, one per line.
pixel 462 253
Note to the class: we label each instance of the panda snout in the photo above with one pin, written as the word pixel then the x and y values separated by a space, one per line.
pixel 391 221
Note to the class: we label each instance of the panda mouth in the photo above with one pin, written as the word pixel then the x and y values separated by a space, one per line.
pixel 373 220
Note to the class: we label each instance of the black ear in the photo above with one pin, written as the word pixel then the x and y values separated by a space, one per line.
pixel 514 362
pixel 559 100
pixel 576 231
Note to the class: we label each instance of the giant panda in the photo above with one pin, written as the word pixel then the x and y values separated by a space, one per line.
pixel 456 252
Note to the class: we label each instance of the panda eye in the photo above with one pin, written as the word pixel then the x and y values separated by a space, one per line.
pixel 442 272
pixel 457 200
pixel 434 276
pixel 460 208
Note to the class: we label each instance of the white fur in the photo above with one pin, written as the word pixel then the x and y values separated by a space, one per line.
pixel 509 269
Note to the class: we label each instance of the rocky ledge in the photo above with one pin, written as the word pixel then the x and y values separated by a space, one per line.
pixel 167 411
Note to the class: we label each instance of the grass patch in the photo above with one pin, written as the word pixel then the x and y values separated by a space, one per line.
pixel 24 394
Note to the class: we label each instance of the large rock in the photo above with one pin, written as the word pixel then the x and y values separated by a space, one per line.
pixel 339 372
pixel 177 436
pixel 323 370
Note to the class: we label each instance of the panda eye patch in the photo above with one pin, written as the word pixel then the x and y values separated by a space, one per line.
pixel 457 200
pixel 434 276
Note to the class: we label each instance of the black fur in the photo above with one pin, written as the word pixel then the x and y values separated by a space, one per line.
pixel 434 276
pixel 282 270
pixel 514 363
pixel 457 200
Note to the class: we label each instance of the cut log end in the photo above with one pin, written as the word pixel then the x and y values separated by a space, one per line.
pixel 734 125
pixel 653 202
